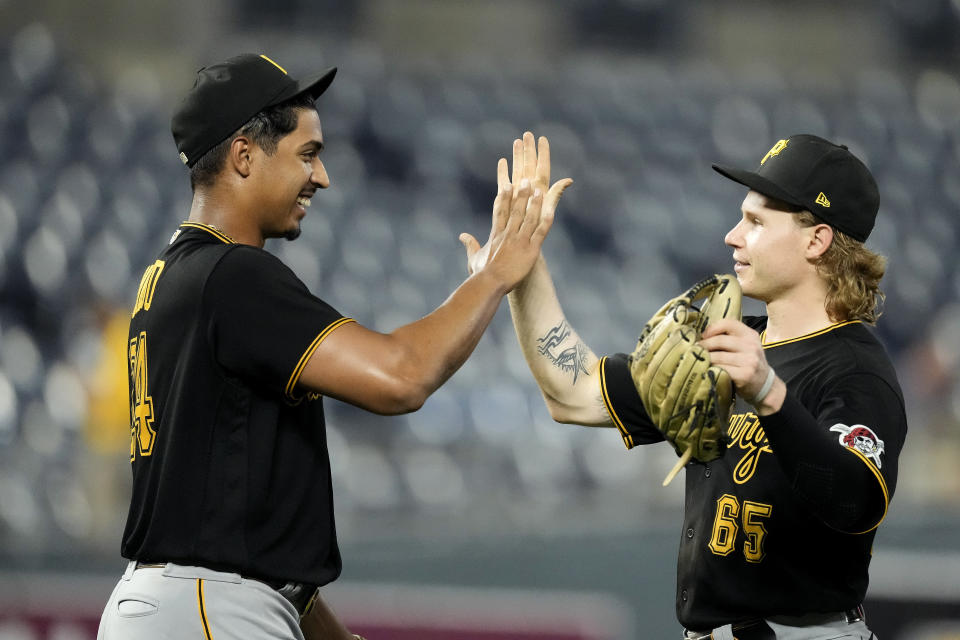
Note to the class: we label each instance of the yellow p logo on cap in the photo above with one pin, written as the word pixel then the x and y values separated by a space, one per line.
pixel 777 148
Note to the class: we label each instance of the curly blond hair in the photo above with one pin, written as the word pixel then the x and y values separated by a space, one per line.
pixel 852 273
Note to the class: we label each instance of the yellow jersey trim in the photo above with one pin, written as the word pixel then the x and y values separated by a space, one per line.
pixel 763 334
pixel 883 487
pixel 301 365
pixel 627 438
pixel 220 235
pixel 203 610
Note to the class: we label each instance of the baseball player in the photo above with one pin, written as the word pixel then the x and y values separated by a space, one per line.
pixel 777 532
pixel 231 529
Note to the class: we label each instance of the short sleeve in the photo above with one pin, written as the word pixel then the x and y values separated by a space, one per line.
pixel 263 322
pixel 624 405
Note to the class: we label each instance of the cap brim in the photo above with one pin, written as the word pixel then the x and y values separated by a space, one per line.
pixel 314 87
pixel 760 184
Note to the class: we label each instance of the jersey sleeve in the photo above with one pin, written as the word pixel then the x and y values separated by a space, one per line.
pixel 623 404
pixel 263 322
pixel 843 460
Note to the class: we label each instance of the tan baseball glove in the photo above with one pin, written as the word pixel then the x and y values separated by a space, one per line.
pixel 686 397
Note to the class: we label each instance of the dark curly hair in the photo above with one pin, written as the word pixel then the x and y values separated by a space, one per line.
pixel 265 129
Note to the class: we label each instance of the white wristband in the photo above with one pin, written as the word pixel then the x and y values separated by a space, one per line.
pixel 765 389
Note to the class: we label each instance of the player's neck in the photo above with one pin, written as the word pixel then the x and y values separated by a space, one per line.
pixel 209 208
pixel 795 315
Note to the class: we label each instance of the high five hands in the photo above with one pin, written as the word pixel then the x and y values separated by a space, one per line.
pixel 523 213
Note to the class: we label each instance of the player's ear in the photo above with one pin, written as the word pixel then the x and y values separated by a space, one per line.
pixel 239 155
pixel 821 237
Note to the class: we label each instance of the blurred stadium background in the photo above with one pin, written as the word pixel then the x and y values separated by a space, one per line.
pixel 477 517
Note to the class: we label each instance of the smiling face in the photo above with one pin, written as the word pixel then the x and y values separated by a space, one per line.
pixel 286 180
pixel 770 250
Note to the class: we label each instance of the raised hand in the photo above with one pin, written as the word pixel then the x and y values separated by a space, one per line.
pixel 534 164
pixel 523 213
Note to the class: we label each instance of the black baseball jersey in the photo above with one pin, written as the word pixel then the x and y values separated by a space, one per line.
pixel 784 522
pixel 230 463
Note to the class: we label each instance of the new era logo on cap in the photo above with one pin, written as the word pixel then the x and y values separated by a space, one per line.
pixel 226 95
pixel 803 169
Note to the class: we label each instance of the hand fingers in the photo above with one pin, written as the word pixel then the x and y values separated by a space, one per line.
pixel 543 226
pixel 503 174
pixel 471 246
pixel 741 374
pixel 517 162
pixel 518 206
pixel 529 157
pixel 727 360
pixel 721 342
pixel 543 163
pixel 531 214
pixel 552 199
pixel 501 209
pixel 730 362
pixel 746 370
pixel 725 325
pixel 469 243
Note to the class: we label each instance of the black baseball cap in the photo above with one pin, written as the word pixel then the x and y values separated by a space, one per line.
pixel 227 94
pixel 817 175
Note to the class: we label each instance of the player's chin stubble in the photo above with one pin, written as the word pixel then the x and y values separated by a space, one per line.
pixel 292 234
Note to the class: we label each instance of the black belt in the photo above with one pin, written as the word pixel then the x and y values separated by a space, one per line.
pixel 298 594
pixel 760 630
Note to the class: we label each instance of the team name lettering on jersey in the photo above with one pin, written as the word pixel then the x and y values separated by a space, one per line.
pixel 747 434
pixel 148 286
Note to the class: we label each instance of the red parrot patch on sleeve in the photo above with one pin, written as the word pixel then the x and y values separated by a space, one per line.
pixel 860 438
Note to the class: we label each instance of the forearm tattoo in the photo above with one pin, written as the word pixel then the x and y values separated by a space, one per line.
pixel 570 360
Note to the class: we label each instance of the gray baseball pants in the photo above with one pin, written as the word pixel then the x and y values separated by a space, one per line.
pixel 177 602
